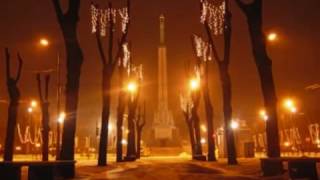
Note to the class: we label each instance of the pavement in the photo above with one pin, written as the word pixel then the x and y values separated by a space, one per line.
pixel 174 168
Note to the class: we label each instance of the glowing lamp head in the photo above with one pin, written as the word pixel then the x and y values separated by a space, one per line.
pixel 286 144
pixel 38 145
pixel 44 42
pixel 203 141
pixel 124 142
pixel 62 117
pixel 30 110
pixel 288 103
pixel 33 103
pixel 132 87
pixel 234 124
pixel 272 37
pixel 194 84
pixel 263 115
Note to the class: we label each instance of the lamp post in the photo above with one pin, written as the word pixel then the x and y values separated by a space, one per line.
pixel 45 43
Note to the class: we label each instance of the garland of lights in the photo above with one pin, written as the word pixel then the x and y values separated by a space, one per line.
pixel 26 138
pixel 314 133
pixel 203 49
pixel 213 14
pixel 102 18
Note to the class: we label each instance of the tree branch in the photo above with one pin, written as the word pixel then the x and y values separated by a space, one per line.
pixel 57 7
pixel 123 37
pixel 227 34
pixel 7 54
pixel 39 88
pixel 47 87
pixel 100 48
pixel 19 68
pixel 73 10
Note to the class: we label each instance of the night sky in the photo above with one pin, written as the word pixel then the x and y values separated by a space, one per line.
pixel 295 55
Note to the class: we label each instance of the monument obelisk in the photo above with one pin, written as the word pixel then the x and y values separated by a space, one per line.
pixel 163 124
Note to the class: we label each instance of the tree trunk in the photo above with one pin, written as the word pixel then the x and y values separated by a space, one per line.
pixel 120 115
pixel 210 133
pixel 11 124
pixel 191 133
pixel 196 124
pixel 45 116
pixel 102 158
pixel 227 111
pixel 68 23
pixel 14 97
pixel 253 12
pixel 131 148
pixel 139 134
pixel 45 133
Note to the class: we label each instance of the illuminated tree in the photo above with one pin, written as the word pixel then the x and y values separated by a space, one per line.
pixel 135 79
pixel 203 54
pixel 14 97
pixel 103 19
pixel 217 21
pixel 254 15
pixel 44 103
pixel 68 22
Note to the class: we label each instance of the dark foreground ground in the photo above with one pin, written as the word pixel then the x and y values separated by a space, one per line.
pixel 172 168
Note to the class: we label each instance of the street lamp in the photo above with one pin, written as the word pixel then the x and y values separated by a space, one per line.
pixel 61 117
pixel 194 84
pixel 272 37
pixel 132 87
pixel 33 103
pixel 263 115
pixel 234 124
pixel 44 42
pixel 30 110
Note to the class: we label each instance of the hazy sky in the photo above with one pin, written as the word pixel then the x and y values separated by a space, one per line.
pixel 295 56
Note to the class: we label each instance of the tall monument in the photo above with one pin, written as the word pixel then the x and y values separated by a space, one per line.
pixel 163 124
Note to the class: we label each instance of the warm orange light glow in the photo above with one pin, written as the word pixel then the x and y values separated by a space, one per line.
pixel 272 37
pixel 30 110
pixel 286 144
pixel 203 128
pixel 234 124
pixel 132 87
pixel 61 117
pixel 263 115
pixel 38 145
pixel 18 148
pixel 44 42
pixel 194 84
pixel 33 103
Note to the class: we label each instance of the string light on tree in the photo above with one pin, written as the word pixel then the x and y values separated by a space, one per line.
pixel 213 14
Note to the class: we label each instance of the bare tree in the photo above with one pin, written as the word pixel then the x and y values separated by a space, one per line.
pixel 109 63
pixel 195 96
pixel 68 22
pixel 14 97
pixel 132 108
pixel 202 54
pixel 189 123
pixel 140 123
pixel 223 67
pixel 254 15
pixel 44 103
pixel 120 113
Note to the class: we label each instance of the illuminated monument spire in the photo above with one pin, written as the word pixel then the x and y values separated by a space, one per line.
pixel 163 124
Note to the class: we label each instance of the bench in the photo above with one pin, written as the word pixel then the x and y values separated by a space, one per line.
pixel 38 170
pixel 298 167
